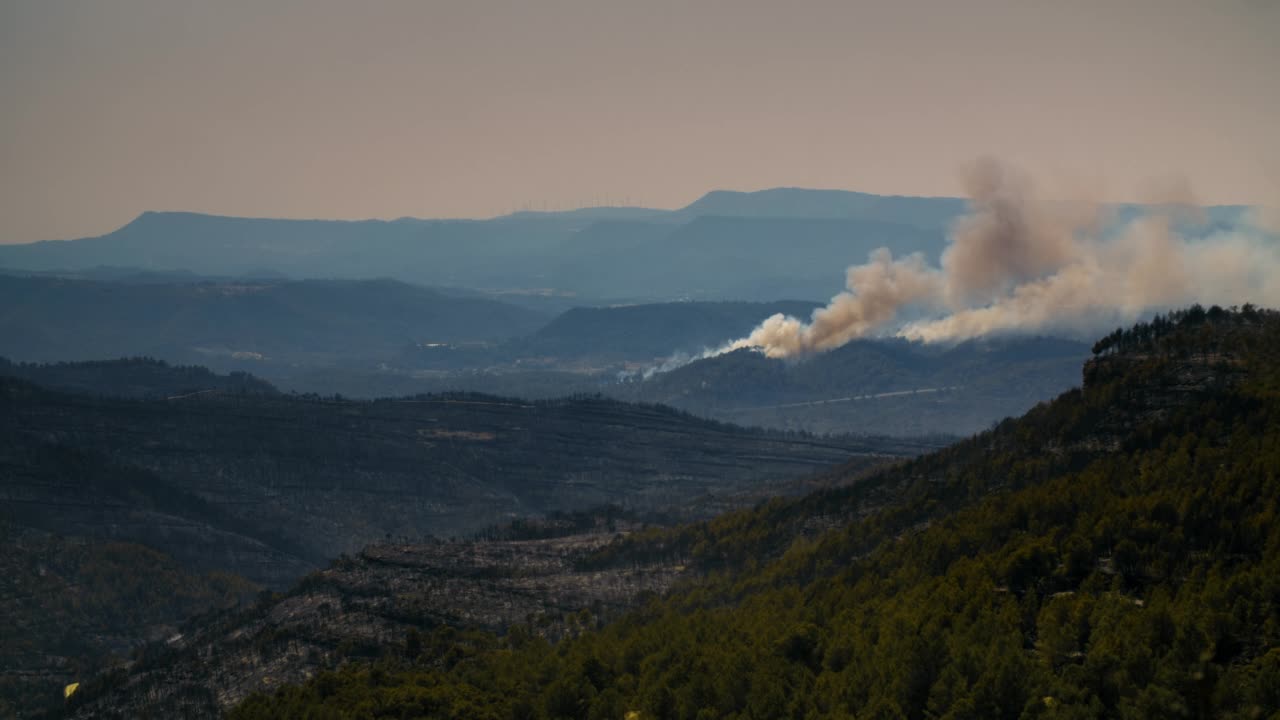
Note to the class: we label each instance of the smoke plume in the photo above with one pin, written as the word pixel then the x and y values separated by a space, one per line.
pixel 876 291
pixel 1019 263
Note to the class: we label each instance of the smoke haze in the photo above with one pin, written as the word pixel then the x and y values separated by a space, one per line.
pixel 1019 263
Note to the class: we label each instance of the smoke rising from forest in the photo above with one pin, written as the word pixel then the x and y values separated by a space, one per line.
pixel 1018 262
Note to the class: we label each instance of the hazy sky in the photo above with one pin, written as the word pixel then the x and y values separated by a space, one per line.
pixel 381 108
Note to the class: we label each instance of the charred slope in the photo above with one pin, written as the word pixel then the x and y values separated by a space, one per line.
pixel 1110 554
pixel 285 481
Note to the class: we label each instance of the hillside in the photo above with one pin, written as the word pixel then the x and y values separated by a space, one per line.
pixel 887 386
pixel 1110 554
pixel 267 486
pixel 894 386
pixel 240 323
pixel 411 600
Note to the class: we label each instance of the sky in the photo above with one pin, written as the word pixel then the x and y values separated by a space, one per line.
pixel 437 108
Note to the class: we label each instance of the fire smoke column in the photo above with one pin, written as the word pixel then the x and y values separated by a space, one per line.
pixel 1009 236
pixel 1109 281
pixel 877 290
pixel 1019 263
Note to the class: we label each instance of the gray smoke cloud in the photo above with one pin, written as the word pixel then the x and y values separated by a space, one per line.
pixel 1017 262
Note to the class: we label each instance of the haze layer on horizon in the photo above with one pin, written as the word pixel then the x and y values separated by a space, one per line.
pixel 330 109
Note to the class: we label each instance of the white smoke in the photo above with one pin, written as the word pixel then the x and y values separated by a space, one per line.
pixel 1017 263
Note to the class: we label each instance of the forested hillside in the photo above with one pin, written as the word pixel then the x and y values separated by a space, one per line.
pixel 267 485
pixel 1114 553
pixel 125 508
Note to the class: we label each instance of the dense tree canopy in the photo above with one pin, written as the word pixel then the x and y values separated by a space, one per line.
pixel 1112 554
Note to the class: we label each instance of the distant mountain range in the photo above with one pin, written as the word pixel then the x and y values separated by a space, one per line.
pixel 784 242
pixel 591 261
